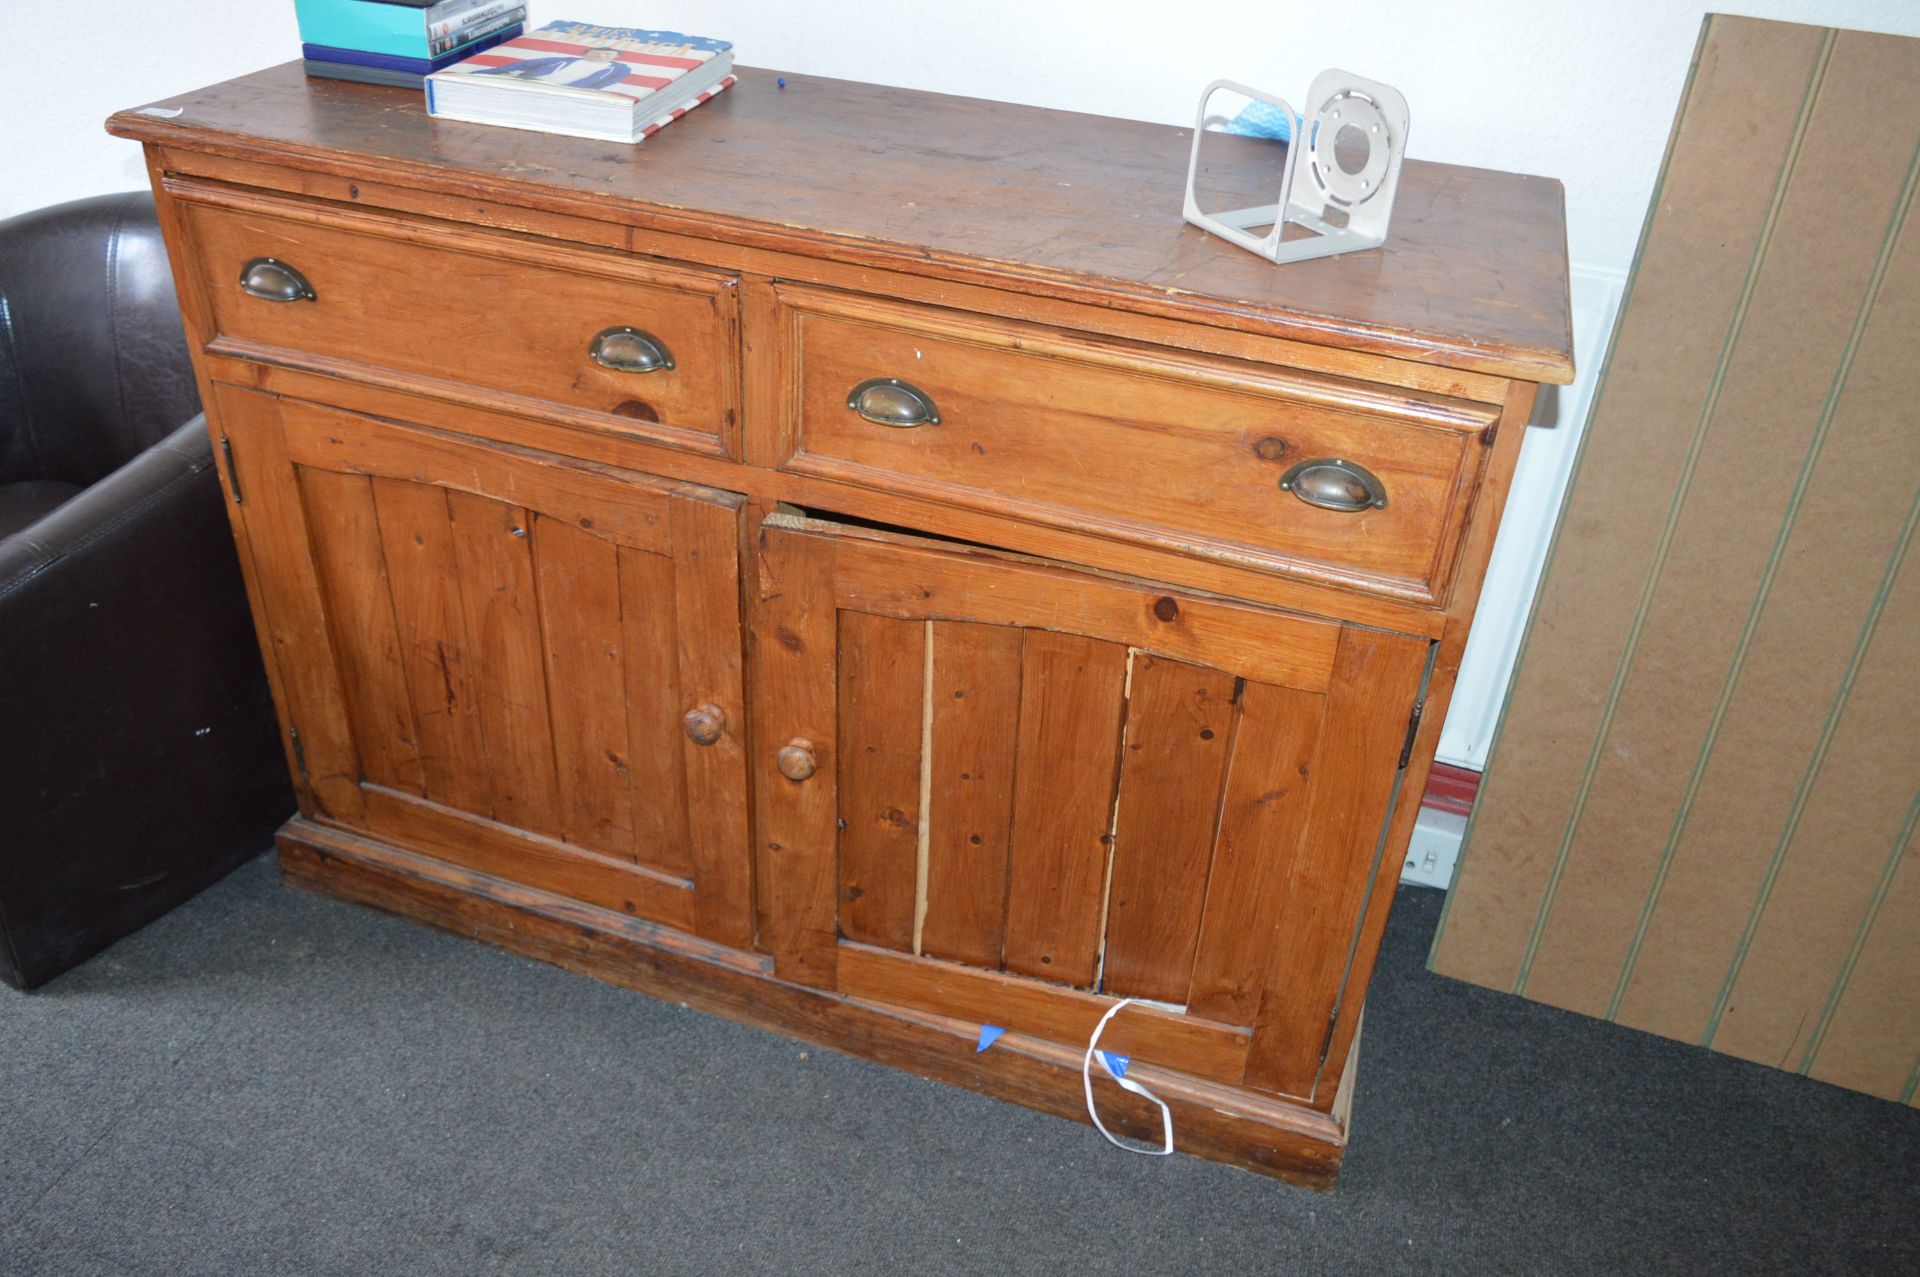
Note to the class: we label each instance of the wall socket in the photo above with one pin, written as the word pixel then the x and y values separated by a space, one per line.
pixel 1434 847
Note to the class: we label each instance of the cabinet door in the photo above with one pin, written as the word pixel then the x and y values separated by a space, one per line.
pixel 1007 792
pixel 520 663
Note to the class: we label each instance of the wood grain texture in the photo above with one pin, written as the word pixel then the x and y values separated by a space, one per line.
pixel 882 674
pixel 976 713
pixel 1074 432
pixel 440 659
pixel 1066 769
pixel 1219 1122
pixel 495 568
pixel 1186 1044
pixel 1121 405
pixel 1179 736
pixel 1263 815
pixel 793 653
pixel 492 848
pixel 965 584
pixel 579 582
pixel 326 769
pixel 1334 875
pixel 352 567
pixel 838 169
pixel 710 629
pixel 176 166
pixel 379 291
pixel 1448 652
pixel 620 506
pixel 531 431
pixel 650 635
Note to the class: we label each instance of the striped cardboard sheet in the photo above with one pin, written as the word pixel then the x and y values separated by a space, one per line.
pixel 1699 816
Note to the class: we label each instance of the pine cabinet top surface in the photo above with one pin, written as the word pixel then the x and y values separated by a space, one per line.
pixel 1083 207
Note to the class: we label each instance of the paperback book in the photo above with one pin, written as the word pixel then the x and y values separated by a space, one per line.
pixel 575 78
pixel 418 68
pixel 401 28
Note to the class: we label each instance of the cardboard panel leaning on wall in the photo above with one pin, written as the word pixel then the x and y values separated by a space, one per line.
pixel 1699 815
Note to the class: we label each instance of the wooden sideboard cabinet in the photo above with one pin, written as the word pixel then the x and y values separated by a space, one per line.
pixel 839 564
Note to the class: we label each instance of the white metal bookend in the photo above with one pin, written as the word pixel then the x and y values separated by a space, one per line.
pixel 1327 186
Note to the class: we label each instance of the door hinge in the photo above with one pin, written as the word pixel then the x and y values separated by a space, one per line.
pixel 233 473
pixel 1413 729
pixel 299 751
pixel 1326 1043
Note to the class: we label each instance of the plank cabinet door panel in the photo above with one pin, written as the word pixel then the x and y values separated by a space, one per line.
pixel 1004 790
pixel 521 663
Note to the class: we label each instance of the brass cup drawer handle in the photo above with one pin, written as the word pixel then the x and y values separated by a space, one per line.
pixel 626 349
pixel 889 401
pixel 274 281
pixel 1335 484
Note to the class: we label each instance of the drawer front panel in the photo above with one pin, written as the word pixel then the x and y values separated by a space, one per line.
pixel 1140 444
pixel 463 313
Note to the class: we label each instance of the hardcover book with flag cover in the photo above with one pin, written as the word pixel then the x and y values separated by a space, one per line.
pixel 576 78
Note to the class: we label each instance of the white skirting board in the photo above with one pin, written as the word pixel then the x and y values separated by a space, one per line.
pixel 1513 576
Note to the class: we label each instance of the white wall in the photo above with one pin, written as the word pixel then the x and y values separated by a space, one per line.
pixel 1581 90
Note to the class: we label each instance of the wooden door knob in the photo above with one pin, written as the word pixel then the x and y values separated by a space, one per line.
pixel 795 759
pixel 705 723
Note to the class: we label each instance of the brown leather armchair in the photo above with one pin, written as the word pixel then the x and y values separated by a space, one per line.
pixel 139 758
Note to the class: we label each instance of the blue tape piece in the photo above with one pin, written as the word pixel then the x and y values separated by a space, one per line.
pixel 1116 1064
pixel 989 1034
pixel 1262 119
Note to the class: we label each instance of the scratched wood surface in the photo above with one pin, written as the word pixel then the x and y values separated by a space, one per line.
pixel 514 603
pixel 1094 816
pixel 1474 275
pixel 526 663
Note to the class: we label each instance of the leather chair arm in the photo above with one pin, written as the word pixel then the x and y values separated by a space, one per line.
pixel 141 755
pixel 111 516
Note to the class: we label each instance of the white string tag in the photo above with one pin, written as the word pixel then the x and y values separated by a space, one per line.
pixel 1126 1084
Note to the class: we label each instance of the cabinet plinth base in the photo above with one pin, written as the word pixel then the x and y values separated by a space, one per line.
pixel 1226 1124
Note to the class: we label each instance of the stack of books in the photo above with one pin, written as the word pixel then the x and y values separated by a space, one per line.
pixel 615 84
pixel 401 42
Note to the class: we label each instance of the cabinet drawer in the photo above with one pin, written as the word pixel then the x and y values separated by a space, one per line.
pixel 1138 443
pixel 474 315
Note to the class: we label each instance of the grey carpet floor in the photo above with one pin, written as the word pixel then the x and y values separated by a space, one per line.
pixel 265 1082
